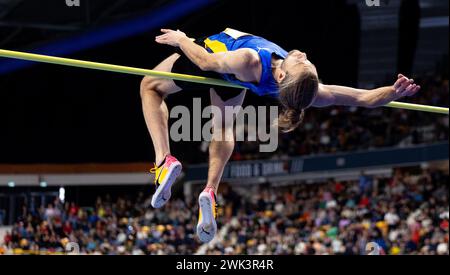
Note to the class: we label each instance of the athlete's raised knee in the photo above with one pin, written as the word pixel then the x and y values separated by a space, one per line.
pixel 150 86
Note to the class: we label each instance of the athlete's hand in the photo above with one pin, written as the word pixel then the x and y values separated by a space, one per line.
pixel 170 37
pixel 405 86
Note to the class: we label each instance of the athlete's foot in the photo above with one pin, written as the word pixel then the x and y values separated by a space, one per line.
pixel 165 176
pixel 207 227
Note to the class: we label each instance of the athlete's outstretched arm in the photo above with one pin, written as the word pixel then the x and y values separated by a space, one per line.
pixel 232 62
pixel 345 96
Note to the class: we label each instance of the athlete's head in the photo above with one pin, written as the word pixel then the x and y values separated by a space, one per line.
pixel 298 84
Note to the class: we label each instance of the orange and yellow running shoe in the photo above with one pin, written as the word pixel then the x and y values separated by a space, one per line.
pixel 207 226
pixel 165 176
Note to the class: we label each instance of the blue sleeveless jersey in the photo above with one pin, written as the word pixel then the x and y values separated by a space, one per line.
pixel 229 41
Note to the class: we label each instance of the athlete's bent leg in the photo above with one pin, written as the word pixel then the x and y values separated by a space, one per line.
pixel 156 114
pixel 220 151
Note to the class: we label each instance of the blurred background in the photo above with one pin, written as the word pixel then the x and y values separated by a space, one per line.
pixel 75 152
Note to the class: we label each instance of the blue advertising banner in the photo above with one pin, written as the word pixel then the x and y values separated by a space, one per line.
pixel 345 161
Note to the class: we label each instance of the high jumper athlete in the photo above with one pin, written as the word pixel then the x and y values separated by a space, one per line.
pixel 260 66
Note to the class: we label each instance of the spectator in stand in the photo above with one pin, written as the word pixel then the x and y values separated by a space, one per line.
pixel 405 214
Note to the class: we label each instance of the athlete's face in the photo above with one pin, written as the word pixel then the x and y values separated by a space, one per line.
pixel 296 62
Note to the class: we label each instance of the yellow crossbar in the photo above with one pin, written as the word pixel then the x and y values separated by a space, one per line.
pixel 175 76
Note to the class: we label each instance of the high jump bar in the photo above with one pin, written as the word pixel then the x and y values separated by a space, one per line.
pixel 175 76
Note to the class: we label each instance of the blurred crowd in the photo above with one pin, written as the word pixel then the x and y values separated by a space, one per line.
pixel 122 227
pixel 405 214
